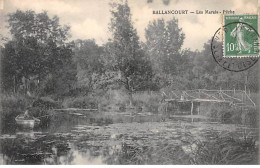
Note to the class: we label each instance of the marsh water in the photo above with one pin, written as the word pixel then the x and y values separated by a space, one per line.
pixel 111 138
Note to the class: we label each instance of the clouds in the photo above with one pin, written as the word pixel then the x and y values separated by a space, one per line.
pixel 197 28
pixel 89 29
pixel 57 7
pixel 245 6
pixel 141 17
pixel 200 32
pixel 90 18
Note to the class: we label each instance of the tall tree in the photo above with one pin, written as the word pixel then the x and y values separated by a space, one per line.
pixel 164 41
pixel 129 59
pixel 38 49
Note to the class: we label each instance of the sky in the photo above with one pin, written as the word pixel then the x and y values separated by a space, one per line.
pixel 89 19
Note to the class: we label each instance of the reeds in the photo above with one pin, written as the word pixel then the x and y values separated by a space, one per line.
pixel 225 149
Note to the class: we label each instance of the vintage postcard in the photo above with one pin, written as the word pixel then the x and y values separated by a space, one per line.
pixel 129 82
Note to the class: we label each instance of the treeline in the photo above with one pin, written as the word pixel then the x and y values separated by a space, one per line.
pixel 39 58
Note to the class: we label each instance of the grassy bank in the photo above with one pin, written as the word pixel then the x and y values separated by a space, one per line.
pixel 119 100
pixel 116 100
pixel 148 101
pixel 83 102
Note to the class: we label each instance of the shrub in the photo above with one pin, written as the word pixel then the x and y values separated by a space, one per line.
pixel 81 102
pixel 150 102
pixel 13 104
pixel 114 100
pixel 46 103
pixel 250 116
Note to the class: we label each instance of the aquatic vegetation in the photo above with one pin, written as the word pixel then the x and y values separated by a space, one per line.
pixel 226 150
pixel 116 138
pixel 33 149
pixel 164 143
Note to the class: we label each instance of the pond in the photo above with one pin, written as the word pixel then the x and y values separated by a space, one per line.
pixel 114 138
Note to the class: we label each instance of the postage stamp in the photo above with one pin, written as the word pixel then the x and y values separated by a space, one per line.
pixel 235 45
pixel 240 36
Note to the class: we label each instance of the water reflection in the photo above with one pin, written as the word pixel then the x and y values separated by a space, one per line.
pixel 111 138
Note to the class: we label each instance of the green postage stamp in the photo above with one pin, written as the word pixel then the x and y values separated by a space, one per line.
pixel 240 36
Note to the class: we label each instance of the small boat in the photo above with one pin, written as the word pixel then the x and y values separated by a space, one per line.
pixel 30 122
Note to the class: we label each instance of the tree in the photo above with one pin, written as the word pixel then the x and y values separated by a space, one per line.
pixel 38 50
pixel 205 69
pixel 89 64
pixel 208 74
pixel 164 41
pixel 129 59
pixel 163 44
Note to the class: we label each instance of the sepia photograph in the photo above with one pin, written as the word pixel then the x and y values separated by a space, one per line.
pixel 129 82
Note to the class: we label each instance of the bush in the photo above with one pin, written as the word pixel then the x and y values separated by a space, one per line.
pixel 46 103
pixel 231 114
pixel 150 102
pixel 83 102
pixel 250 116
pixel 13 104
pixel 114 100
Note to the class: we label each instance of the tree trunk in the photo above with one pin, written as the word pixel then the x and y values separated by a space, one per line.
pixel 14 85
pixel 130 91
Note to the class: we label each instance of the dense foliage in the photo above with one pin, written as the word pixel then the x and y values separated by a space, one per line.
pixel 39 53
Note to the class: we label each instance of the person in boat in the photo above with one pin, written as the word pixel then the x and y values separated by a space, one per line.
pixel 26 115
